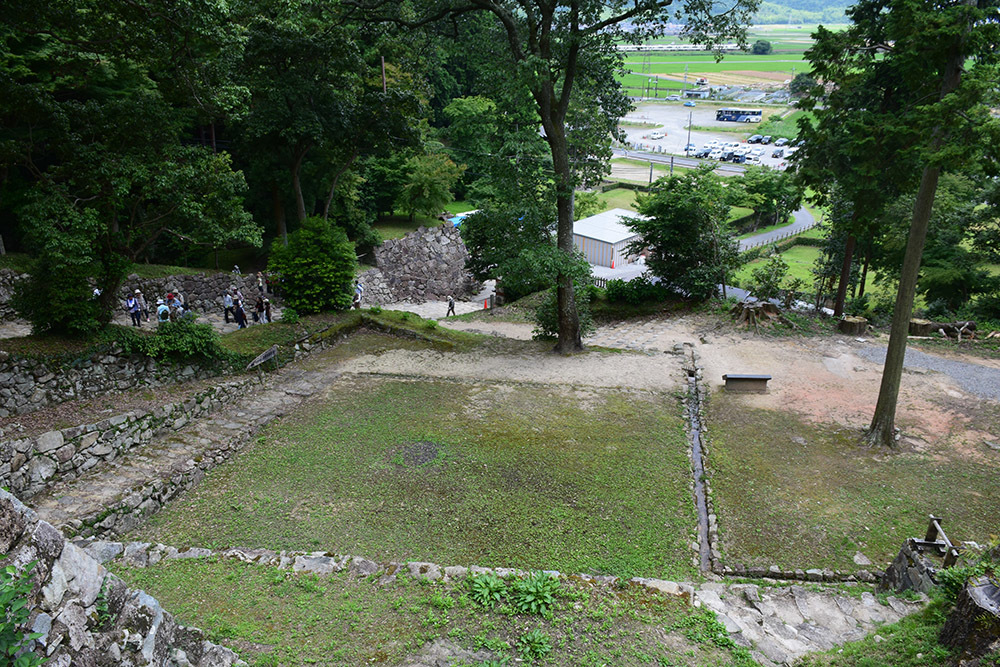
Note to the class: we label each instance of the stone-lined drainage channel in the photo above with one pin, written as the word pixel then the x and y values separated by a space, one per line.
pixel 693 404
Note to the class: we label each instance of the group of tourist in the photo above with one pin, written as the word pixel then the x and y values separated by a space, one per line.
pixel 232 304
pixel 170 309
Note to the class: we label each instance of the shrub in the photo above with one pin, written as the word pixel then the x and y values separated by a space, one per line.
pixel 534 645
pixel 547 314
pixel 290 316
pixel 636 291
pixel 766 279
pixel 171 341
pixel 535 594
pixel 487 589
pixel 15 587
pixel 317 267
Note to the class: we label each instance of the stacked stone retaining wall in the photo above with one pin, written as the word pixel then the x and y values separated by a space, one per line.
pixel 28 383
pixel 425 265
pixel 910 570
pixel 87 616
pixel 203 292
pixel 31 464
pixel 8 279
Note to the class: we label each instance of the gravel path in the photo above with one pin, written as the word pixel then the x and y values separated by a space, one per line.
pixel 982 381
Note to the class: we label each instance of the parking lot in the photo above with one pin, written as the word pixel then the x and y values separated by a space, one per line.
pixel 671 120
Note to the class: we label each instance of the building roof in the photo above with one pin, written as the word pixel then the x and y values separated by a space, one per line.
pixel 607 226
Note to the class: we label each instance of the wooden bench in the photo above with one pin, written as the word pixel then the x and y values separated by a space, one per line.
pixel 755 384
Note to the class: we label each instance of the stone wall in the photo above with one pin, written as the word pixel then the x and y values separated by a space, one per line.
pixel 425 265
pixel 88 616
pixel 202 291
pixel 27 384
pixel 30 465
pixel 910 570
pixel 973 627
pixel 7 280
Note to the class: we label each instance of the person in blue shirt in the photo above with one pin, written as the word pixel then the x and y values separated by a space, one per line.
pixel 162 311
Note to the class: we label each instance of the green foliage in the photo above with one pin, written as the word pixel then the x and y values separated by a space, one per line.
pixel 761 47
pixel 767 279
pixel 802 83
pixel 534 645
pixel 636 291
pixel 101 606
pixel 514 246
pixel 172 341
pixel 290 316
pixel 547 314
pixel 428 187
pixel 487 589
pixel 15 587
pixel 316 267
pixel 586 204
pixel 702 627
pixel 692 249
pixel 534 594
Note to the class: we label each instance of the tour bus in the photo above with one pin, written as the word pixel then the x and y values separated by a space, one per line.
pixel 740 115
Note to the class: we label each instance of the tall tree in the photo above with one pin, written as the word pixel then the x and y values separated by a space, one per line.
pixel 921 76
pixel 557 49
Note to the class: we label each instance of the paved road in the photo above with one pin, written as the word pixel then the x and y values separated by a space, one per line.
pixel 803 220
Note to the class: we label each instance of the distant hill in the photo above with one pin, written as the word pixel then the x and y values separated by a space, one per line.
pixel 802 11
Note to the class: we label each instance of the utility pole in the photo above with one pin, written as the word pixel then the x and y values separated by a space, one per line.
pixel 690 113
pixel 650 176
pixel 685 78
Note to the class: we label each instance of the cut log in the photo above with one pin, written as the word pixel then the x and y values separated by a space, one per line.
pixel 960 330
pixel 921 327
pixel 757 313
pixel 853 326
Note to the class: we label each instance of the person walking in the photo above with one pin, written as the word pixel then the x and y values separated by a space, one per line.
pixel 267 310
pixel 143 308
pixel 240 314
pixel 260 282
pixel 132 306
pixel 227 305
pixel 451 305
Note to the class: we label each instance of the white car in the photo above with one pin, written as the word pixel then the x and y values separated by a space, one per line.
pixel 753 159
pixel 714 143
pixel 716 154
pixel 674 98
pixel 757 152
pixel 741 150
pixel 657 135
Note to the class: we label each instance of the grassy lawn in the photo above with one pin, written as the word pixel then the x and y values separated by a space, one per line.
pixel 800 260
pixel 273 617
pixel 797 505
pixel 617 198
pixel 737 212
pixel 460 474
pixel 398 226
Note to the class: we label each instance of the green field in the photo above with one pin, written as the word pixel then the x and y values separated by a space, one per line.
pixel 799 495
pixel 464 474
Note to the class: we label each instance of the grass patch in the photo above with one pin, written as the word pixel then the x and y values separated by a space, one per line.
pixel 800 260
pixel 617 198
pixel 398 226
pixel 737 212
pixel 808 505
pixel 912 642
pixel 487 474
pixel 165 270
pixel 15 261
pixel 273 617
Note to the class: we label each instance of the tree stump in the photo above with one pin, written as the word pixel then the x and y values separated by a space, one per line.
pixel 853 326
pixel 757 313
pixel 973 628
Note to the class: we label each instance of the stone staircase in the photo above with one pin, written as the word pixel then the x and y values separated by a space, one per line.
pixel 113 498
pixel 781 624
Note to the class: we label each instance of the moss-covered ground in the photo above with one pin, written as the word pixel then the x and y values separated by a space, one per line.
pixel 274 617
pixel 800 495
pixel 458 473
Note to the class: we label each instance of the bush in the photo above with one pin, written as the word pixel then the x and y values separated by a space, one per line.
pixel 289 316
pixel 15 587
pixel 171 341
pixel 57 297
pixel 547 314
pixel 766 280
pixel 317 267
pixel 636 291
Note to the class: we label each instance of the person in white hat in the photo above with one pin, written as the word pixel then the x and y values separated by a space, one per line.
pixel 141 300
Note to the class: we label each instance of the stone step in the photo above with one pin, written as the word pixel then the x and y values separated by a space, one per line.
pixel 114 498
pixel 781 624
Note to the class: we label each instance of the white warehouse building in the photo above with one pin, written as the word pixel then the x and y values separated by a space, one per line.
pixel 604 238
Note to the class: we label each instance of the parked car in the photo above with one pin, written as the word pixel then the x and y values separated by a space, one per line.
pixel 690 103
pixel 755 139
pixel 739 158
pixel 690 148
pixel 674 98
pixel 704 151
pixel 753 159
pixel 766 139
pixel 757 151
pixel 726 156
pixel 716 154
pixel 781 142
pixel 778 152
pixel 657 135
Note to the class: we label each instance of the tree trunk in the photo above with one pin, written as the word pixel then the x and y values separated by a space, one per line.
pixel 845 277
pixel 864 271
pixel 336 180
pixel 882 429
pixel 569 318
pixel 300 203
pixel 279 213
pixel 883 426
